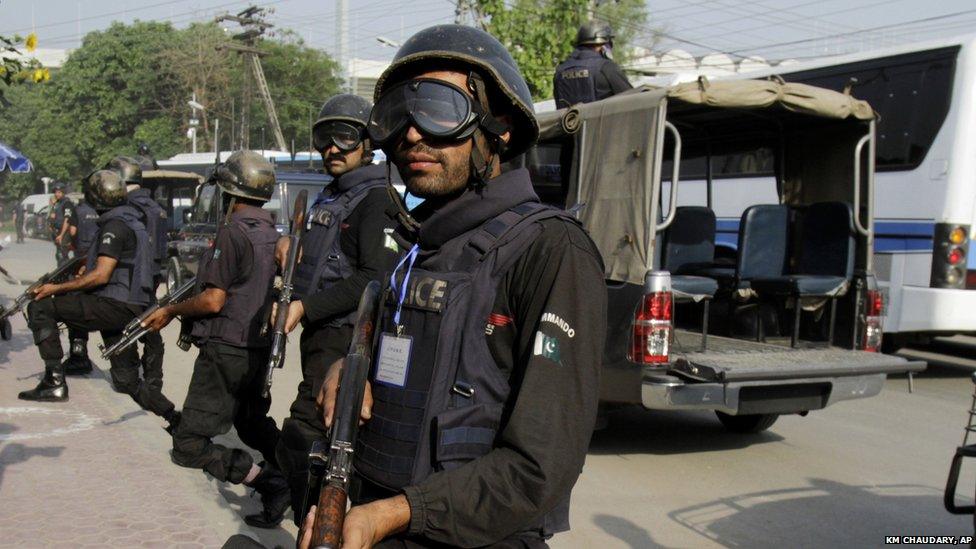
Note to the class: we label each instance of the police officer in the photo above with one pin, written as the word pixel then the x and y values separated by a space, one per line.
pixel 589 74
pixel 61 212
pixel 346 246
pixel 84 234
pixel 484 388
pixel 145 158
pixel 115 287
pixel 20 220
pixel 235 281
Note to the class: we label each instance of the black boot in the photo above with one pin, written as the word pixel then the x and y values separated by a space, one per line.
pixel 52 387
pixel 78 363
pixel 275 497
pixel 172 418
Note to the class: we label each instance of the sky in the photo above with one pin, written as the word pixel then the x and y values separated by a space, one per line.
pixel 773 29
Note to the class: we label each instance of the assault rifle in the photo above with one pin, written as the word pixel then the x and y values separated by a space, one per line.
pixel 134 331
pixel 54 277
pixel 330 467
pixel 279 337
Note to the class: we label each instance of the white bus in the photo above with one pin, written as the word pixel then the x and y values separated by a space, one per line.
pixel 925 202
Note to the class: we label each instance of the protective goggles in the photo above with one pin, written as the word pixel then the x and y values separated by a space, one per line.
pixel 343 135
pixel 435 108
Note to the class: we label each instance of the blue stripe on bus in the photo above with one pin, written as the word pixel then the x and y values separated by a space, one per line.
pixel 889 236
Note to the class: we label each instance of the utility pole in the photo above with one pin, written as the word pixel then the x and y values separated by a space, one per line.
pixel 254 26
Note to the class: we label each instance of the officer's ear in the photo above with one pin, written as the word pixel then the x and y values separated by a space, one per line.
pixel 505 136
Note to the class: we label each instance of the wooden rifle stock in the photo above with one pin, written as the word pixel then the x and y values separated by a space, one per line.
pixel 330 515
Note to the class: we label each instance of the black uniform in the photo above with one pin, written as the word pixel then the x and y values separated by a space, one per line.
pixel 21 219
pixel 228 375
pixel 357 201
pixel 584 77
pixel 62 210
pixel 486 427
pixel 85 223
pixel 107 308
pixel 587 76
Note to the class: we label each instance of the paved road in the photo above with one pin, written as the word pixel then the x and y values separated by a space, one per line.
pixel 849 475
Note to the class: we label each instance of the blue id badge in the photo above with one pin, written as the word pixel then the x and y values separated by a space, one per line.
pixel 394 360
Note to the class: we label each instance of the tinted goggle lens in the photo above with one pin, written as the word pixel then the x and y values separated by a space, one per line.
pixel 435 108
pixel 344 136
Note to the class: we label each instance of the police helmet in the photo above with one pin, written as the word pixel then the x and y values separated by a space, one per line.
pixel 594 33
pixel 104 190
pixel 246 174
pixel 128 168
pixel 345 107
pixel 144 150
pixel 59 186
pixel 480 51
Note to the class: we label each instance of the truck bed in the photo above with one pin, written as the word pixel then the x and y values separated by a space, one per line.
pixel 728 360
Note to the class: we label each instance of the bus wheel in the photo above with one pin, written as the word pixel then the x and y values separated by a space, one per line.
pixel 174 274
pixel 748 423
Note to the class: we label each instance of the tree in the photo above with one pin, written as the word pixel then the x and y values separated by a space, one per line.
pixel 14 68
pixel 129 84
pixel 540 35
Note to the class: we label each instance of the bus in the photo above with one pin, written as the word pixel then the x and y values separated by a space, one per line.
pixel 925 201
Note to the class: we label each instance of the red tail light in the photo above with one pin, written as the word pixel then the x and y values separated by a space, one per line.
pixel 873 311
pixel 651 331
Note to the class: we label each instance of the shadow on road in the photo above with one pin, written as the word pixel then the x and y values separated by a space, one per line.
pixel 21 340
pixel 638 431
pixel 627 531
pixel 15 452
pixel 813 515
pixel 125 417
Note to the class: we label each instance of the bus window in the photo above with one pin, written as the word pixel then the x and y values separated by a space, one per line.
pixel 542 162
pixel 204 211
pixel 911 92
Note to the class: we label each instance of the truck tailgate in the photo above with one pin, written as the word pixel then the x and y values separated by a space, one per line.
pixel 728 360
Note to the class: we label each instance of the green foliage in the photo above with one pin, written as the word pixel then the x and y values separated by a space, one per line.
pixel 540 34
pixel 129 84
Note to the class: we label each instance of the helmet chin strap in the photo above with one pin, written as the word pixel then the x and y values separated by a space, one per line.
pixel 403 216
pixel 486 137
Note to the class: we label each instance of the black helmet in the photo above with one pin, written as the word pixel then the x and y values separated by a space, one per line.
pixel 144 150
pixel 247 174
pixel 58 186
pixel 104 189
pixel 482 51
pixel 594 33
pixel 128 168
pixel 346 107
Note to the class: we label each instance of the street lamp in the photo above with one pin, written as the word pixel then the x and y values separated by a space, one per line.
pixel 194 121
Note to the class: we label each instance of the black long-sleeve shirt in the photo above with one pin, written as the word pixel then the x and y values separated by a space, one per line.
pixel 363 239
pixel 546 332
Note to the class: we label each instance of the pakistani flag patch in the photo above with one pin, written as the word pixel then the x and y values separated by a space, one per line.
pixel 546 347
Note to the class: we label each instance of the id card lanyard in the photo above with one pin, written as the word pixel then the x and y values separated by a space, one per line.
pixel 407 260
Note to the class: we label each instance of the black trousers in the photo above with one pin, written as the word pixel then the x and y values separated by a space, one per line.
pixel 320 347
pixel 62 251
pixel 83 313
pixel 225 390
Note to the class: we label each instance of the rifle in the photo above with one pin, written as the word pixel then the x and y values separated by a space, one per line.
pixel 279 338
pixel 134 331
pixel 56 276
pixel 330 469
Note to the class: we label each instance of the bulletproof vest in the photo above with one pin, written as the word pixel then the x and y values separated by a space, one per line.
pixel 248 302
pixel 59 207
pixel 132 280
pixel 323 263
pixel 576 78
pixel 445 408
pixel 155 217
pixel 86 222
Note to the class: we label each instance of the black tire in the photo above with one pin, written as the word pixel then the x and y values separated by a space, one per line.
pixel 892 343
pixel 174 274
pixel 748 423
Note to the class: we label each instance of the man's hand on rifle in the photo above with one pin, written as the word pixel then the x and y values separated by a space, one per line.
pixel 45 290
pixel 158 320
pixel 327 396
pixel 296 310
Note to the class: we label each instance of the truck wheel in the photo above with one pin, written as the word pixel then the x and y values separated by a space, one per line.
pixel 749 423
pixel 174 274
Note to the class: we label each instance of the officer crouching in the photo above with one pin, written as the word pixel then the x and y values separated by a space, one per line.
pixel 117 285
pixel 484 387
pixel 233 304
pixel 345 247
